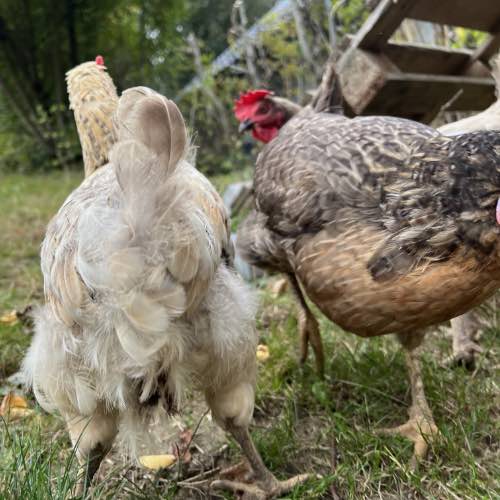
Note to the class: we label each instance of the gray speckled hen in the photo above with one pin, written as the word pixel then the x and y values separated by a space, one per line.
pixel 465 328
pixel 141 297
pixel 389 226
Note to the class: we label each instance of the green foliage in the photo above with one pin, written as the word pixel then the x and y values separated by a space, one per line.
pixel 219 151
pixel 351 15
pixel 144 43
pixel 41 40
pixel 466 38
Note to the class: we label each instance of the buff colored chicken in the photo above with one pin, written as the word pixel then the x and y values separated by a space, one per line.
pixel 141 295
pixel 93 99
pixel 389 226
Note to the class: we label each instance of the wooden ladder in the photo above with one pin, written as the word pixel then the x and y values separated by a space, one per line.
pixel 382 77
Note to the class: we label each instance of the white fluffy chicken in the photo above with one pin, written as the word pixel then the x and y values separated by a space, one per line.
pixel 141 296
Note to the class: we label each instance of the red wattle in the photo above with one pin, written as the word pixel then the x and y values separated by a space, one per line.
pixel 99 60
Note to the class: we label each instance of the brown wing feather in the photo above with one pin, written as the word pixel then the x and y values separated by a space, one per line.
pixel 322 163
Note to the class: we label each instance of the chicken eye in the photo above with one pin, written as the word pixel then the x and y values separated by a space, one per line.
pixel 264 107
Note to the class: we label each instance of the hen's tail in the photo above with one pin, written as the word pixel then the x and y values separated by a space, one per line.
pixel 139 249
pixel 328 97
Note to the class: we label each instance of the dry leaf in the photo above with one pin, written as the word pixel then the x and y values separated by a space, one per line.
pixel 157 462
pixel 262 352
pixel 14 407
pixel 9 318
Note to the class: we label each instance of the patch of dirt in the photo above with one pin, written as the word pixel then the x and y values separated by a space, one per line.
pixel 207 452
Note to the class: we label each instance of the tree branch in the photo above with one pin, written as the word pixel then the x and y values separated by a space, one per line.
pixel 200 71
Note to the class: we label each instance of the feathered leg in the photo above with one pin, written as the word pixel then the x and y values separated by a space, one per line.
pixel 465 348
pixel 229 377
pixel 308 328
pixel 92 438
pixel 420 428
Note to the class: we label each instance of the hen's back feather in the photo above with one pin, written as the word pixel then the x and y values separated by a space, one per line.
pixel 425 193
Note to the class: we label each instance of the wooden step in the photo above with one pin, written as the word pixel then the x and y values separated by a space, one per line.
pixel 420 97
pixel 374 84
pixel 481 15
pixel 414 58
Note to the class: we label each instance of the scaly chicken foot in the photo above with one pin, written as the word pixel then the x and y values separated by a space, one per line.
pixel 420 427
pixel 265 485
pixel 308 328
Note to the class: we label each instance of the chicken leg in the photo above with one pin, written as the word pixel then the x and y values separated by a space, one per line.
pixel 308 328
pixel 232 408
pixel 92 438
pixel 465 348
pixel 265 485
pixel 420 428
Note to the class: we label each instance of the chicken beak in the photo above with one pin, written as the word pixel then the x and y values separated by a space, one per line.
pixel 245 125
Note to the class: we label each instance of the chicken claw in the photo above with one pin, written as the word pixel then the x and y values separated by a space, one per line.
pixel 420 430
pixel 264 485
pixel 465 356
pixel 465 348
pixel 260 490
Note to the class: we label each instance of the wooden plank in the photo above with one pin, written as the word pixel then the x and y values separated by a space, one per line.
pixel 372 84
pixel 476 14
pixel 381 24
pixel 489 48
pixel 362 75
pixel 420 97
pixel 419 58
pixel 411 80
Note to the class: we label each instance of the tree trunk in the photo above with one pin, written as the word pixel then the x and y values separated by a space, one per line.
pixel 302 37
pixel 217 104
pixel 249 49
pixel 71 30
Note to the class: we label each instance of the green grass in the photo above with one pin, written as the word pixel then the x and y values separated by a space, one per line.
pixel 26 203
pixel 299 419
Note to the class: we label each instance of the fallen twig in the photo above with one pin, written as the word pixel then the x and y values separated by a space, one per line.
pixel 333 466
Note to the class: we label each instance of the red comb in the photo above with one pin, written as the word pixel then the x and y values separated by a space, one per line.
pixel 252 96
pixel 99 60
pixel 247 99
